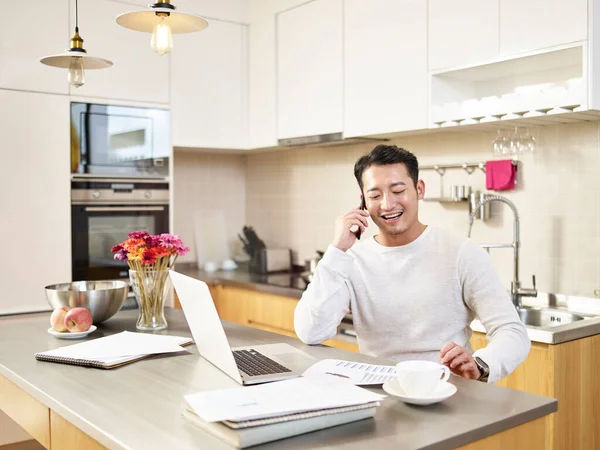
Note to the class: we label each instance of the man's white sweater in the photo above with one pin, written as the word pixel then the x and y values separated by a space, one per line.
pixel 407 302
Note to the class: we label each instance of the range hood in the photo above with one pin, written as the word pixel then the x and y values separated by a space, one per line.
pixel 329 139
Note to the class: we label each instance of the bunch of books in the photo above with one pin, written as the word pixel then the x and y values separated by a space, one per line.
pixel 247 416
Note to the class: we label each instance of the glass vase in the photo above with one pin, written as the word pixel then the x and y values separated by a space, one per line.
pixel 151 289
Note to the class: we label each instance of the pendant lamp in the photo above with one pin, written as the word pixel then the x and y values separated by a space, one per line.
pixel 162 21
pixel 76 58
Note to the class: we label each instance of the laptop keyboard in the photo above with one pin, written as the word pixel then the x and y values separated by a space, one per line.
pixel 255 363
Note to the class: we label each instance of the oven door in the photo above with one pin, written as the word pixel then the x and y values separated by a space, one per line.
pixel 97 228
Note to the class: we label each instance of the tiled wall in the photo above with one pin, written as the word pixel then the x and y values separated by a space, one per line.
pixel 294 196
pixel 204 184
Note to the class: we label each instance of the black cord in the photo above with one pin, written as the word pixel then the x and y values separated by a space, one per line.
pixel 76 18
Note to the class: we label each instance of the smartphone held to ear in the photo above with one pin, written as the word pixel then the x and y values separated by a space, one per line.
pixel 363 206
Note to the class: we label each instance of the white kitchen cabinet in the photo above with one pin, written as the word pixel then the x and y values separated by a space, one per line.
pixel 462 32
pixel 385 66
pixel 138 74
pixel 209 88
pixel 262 115
pixel 35 198
pixel 536 24
pixel 32 29
pixel 310 69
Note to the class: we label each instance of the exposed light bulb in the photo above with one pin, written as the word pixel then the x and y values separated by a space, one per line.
pixel 162 38
pixel 76 73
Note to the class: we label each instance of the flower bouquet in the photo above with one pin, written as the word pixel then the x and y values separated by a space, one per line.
pixel 149 258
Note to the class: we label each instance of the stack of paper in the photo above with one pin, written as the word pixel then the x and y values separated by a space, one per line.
pixel 253 415
pixel 115 350
pixel 355 372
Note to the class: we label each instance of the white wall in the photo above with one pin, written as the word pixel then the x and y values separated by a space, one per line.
pixel 209 182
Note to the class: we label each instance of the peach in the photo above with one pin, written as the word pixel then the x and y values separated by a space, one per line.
pixel 57 319
pixel 78 320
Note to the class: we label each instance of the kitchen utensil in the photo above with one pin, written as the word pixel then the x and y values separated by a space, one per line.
pixel 102 298
pixel 254 242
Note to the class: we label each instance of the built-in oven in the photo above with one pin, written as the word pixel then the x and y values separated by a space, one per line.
pixel 119 140
pixel 103 212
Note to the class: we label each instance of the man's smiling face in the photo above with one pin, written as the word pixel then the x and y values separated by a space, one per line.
pixel 392 200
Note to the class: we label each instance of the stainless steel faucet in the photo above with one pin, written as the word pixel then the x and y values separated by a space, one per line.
pixel 517 292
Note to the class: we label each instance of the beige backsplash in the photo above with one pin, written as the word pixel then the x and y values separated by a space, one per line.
pixel 292 198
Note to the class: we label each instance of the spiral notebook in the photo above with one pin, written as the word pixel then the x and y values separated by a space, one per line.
pixel 115 350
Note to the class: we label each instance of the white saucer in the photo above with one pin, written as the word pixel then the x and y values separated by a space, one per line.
pixel 69 335
pixel 443 391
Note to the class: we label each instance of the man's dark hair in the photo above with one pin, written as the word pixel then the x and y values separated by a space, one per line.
pixel 383 155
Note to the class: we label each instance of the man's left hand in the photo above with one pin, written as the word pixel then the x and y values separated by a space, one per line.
pixel 460 361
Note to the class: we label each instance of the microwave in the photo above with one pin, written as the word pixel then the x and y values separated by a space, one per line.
pixel 111 140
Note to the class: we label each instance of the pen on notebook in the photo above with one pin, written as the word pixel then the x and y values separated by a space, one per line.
pixel 337 374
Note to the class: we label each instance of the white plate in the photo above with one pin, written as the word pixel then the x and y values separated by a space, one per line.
pixel 69 335
pixel 443 391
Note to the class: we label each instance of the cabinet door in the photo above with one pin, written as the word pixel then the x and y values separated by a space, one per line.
pixel 309 69
pixel 137 74
pixel 534 24
pixel 32 29
pixel 262 81
pixel 385 66
pixel 271 312
pixel 35 198
pixel 462 32
pixel 208 93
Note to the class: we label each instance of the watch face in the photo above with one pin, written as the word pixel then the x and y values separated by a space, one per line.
pixel 480 362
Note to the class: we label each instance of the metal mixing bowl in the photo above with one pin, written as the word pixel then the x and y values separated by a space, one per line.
pixel 102 298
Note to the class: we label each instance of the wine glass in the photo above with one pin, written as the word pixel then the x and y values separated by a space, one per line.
pixel 529 143
pixel 501 144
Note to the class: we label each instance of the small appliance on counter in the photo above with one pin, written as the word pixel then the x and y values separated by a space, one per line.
pixel 268 260
pixel 263 259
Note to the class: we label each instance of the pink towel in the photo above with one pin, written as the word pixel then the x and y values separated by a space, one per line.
pixel 500 175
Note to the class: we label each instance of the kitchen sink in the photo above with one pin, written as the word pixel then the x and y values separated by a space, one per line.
pixel 547 317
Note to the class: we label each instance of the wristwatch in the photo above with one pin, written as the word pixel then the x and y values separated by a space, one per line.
pixel 483 368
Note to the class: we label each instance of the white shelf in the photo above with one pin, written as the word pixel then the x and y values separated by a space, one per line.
pixel 528 86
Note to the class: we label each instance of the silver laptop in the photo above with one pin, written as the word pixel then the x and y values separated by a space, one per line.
pixel 246 365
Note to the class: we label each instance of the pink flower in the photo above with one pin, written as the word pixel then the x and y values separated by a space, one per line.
pixel 152 241
pixel 121 255
pixel 116 248
pixel 138 235
pixel 170 240
pixel 182 250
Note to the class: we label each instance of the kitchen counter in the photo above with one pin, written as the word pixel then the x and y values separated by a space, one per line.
pixel 287 284
pixel 138 406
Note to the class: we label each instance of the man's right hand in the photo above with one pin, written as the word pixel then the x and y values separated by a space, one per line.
pixel 344 238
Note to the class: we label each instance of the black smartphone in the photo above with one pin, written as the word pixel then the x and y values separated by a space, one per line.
pixel 363 206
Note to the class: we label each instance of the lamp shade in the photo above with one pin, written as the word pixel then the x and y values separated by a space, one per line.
pixel 63 60
pixel 146 20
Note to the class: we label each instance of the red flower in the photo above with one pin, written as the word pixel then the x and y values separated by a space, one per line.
pixel 149 257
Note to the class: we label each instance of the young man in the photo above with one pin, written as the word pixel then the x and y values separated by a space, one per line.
pixel 413 289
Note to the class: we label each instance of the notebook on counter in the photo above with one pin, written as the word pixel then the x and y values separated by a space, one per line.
pixel 115 350
pixel 253 432
pixel 247 416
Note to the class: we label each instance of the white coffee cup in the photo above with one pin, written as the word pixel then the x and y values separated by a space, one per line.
pixel 420 378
